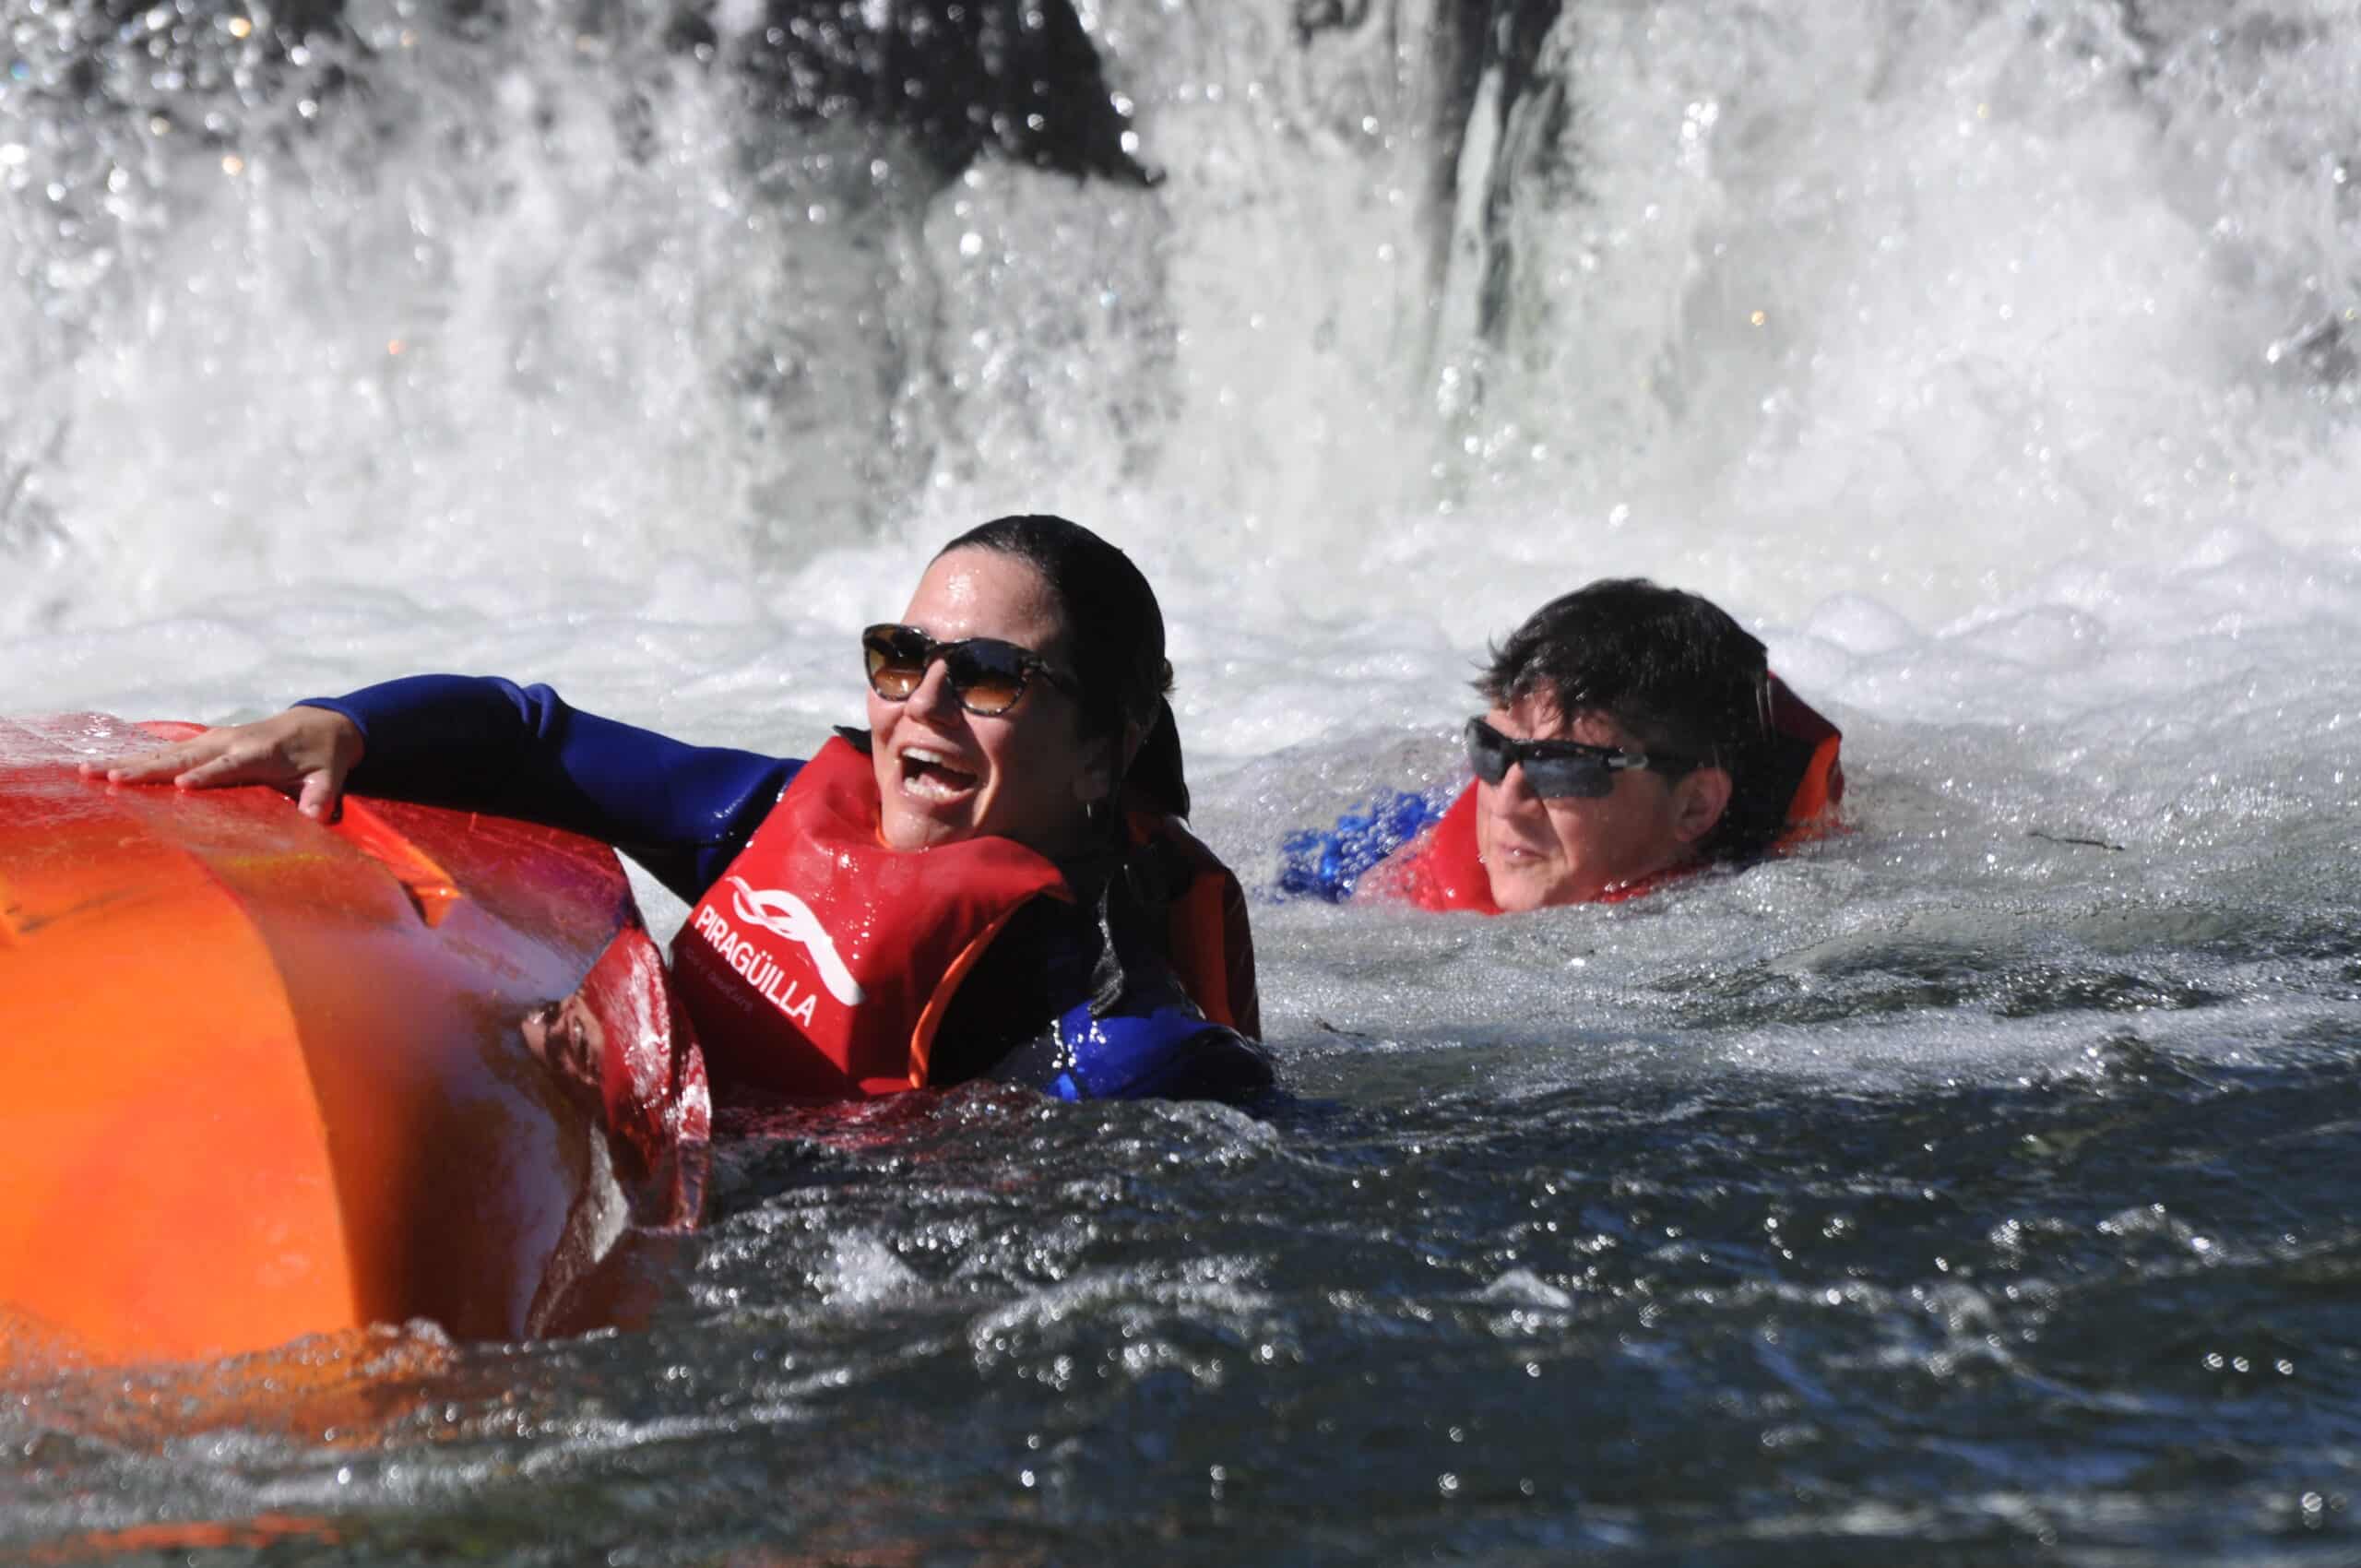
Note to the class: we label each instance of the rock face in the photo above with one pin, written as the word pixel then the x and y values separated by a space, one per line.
pixel 956 78
pixel 959 77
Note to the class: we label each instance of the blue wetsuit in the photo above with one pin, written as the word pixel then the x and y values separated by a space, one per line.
pixel 1329 864
pixel 1034 1012
pixel 487 744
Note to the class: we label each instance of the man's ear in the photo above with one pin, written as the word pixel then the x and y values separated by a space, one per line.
pixel 1699 799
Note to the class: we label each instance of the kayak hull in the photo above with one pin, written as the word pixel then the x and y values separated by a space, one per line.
pixel 265 1076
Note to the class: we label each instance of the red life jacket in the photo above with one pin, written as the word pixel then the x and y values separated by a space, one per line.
pixel 822 962
pixel 1440 868
pixel 650 1079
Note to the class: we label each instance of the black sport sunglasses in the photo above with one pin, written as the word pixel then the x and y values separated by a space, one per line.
pixel 986 674
pixel 1559 769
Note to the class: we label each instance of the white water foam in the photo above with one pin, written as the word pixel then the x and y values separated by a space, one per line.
pixel 1985 359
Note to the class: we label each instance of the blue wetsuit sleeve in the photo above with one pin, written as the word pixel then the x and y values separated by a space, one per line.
pixel 1328 865
pixel 1027 1016
pixel 1157 1050
pixel 489 745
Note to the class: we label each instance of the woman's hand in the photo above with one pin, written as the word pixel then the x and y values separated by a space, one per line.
pixel 307 752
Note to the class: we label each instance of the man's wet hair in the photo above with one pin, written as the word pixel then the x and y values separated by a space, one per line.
pixel 1670 668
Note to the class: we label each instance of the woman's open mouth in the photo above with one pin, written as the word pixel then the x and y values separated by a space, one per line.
pixel 927 775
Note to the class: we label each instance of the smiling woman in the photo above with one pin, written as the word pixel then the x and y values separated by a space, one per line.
pixel 990 881
pixel 958 750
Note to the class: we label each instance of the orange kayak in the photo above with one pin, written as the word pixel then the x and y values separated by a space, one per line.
pixel 266 1077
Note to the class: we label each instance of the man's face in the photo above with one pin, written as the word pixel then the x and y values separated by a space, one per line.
pixel 1539 852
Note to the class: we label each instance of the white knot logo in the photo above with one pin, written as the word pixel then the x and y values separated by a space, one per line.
pixel 783 914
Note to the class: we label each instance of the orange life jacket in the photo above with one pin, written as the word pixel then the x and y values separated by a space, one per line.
pixel 1440 868
pixel 822 962
pixel 1803 749
pixel 1208 943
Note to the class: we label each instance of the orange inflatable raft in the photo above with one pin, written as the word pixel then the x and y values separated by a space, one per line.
pixel 266 1077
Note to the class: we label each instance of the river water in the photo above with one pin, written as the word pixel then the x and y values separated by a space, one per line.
pixel 1973 1187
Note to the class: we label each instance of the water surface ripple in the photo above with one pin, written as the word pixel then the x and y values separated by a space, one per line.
pixel 2099 1314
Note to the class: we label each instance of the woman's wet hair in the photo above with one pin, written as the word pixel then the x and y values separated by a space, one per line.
pixel 1116 631
pixel 1671 669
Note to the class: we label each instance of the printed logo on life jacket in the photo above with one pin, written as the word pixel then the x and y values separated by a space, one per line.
pixel 783 915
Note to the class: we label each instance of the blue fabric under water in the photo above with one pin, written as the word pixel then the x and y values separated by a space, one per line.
pixel 1167 1051
pixel 1327 864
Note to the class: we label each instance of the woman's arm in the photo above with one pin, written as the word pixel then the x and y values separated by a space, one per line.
pixel 307 754
pixel 490 745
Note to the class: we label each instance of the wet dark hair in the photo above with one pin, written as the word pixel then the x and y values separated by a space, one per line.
pixel 1117 630
pixel 1671 669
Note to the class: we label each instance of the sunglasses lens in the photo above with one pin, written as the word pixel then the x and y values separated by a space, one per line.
pixel 986 674
pixel 989 676
pixel 896 661
pixel 1488 751
pixel 1551 776
pixel 1568 778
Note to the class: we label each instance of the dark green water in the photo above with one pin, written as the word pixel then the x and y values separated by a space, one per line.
pixel 1626 1298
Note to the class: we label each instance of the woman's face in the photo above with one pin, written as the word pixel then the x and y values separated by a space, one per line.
pixel 1538 852
pixel 944 774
